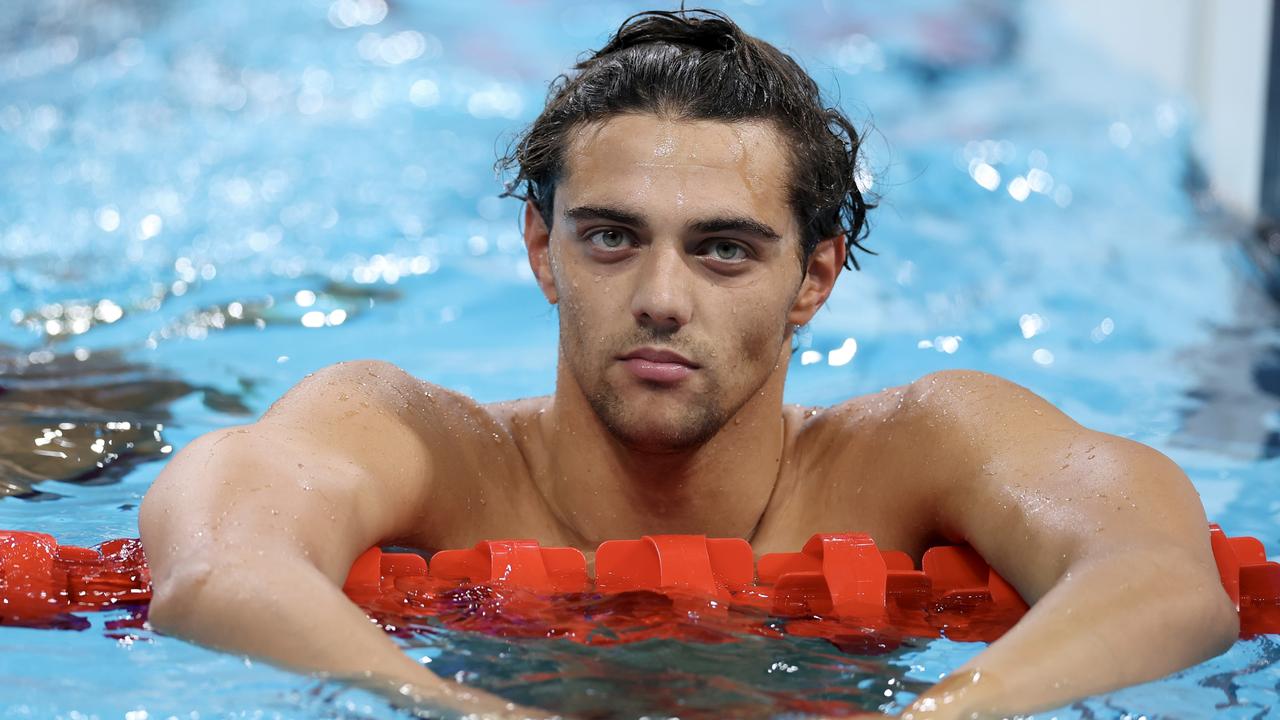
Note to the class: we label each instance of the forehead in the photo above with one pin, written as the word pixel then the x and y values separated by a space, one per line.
pixel 648 161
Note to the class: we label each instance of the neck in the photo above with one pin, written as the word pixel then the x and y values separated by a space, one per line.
pixel 602 490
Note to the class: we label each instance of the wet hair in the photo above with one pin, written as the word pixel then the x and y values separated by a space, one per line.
pixel 699 65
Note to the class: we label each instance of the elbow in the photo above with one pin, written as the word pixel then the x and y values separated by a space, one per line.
pixel 1203 620
pixel 175 598
pixel 1222 624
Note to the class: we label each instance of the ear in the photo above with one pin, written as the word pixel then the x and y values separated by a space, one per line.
pixel 825 264
pixel 537 242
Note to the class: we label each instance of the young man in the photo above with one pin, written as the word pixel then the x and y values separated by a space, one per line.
pixel 689 203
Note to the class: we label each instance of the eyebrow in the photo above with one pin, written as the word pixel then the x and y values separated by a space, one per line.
pixel 710 225
pixel 600 212
pixel 736 224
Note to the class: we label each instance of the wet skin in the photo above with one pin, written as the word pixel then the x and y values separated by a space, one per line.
pixel 673 259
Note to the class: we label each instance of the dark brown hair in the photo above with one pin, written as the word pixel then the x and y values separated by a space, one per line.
pixel 699 65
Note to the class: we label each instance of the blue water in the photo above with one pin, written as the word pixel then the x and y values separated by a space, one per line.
pixel 202 202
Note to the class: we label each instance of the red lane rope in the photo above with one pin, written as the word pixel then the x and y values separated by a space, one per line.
pixel 839 587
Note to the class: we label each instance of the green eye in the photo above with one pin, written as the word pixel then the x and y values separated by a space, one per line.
pixel 607 239
pixel 729 251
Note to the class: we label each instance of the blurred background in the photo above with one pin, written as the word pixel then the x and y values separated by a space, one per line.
pixel 1215 54
pixel 202 202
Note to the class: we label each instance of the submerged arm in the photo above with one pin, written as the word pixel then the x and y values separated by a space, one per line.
pixel 1106 538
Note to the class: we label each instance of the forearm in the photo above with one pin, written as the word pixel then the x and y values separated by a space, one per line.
pixel 285 611
pixel 1110 622
pixel 290 614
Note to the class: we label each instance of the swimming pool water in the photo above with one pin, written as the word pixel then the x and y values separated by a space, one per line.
pixel 202 202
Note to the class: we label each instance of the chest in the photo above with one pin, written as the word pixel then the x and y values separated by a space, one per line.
pixel 848 492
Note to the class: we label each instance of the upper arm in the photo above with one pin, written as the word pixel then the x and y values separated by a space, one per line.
pixel 1034 492
pixel 335 466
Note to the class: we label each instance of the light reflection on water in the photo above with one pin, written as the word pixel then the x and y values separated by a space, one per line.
pixel 205 201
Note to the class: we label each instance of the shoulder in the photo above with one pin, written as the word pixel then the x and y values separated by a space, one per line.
pixel 376 409
pixel 379 391
pixel 968 421
pixel 953 398
pixel 938 400
pixel 342 400
pixel 362 380
pixel 455 450
pixel 943 426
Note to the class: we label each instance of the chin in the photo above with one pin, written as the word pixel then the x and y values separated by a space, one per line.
pixel 648 426
pixel 659 442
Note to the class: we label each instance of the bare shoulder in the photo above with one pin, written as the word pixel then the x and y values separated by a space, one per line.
pixel 855 415
pixel 393 420
pixel 951 404
pixel 968 397
pixel 962 420
pixel 357 387
pixel 919 442
pixel 350 408
pixel 995 443
pixel 378 393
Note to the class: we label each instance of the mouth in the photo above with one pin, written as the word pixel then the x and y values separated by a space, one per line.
pixel 656 365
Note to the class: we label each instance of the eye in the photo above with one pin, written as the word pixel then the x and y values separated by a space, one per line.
pixel 726 251
pixel 609 239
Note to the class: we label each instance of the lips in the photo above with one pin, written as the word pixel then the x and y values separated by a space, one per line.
pixel 657 365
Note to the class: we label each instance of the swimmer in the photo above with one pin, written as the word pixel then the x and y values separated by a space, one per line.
pixel 688 203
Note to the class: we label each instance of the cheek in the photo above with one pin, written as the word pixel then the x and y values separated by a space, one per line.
pixel 568 300
pixel 585 312
pixel 761 330
pixel 575 322
pixel 761 342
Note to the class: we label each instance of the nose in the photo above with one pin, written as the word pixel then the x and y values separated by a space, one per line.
pixel 661 299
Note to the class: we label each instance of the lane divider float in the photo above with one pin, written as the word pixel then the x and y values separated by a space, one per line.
pixel 838 587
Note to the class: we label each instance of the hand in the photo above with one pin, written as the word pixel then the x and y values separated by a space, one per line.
pixel 955 697
pixel 445 698
pixel 952 699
